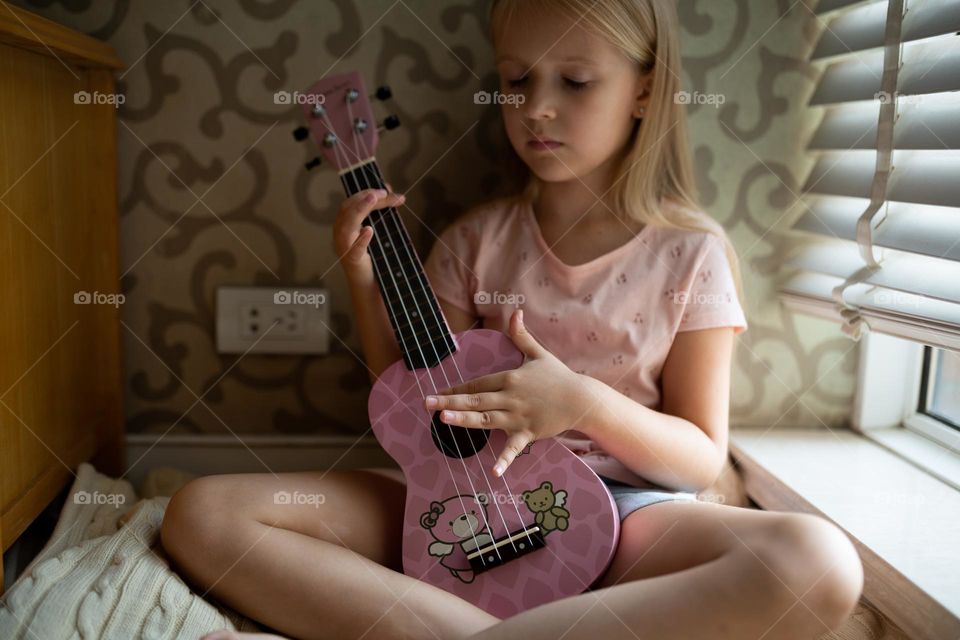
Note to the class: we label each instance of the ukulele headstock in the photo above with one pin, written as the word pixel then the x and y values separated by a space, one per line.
pixel 340 120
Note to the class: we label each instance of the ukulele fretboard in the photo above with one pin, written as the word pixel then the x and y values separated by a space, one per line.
pixel 418 323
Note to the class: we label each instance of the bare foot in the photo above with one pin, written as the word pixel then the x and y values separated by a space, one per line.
pixel 224 634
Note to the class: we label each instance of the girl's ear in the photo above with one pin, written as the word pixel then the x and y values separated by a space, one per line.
pixel 644 87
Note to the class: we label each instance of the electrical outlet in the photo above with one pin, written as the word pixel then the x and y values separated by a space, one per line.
pixel 259 319
pixel 272 320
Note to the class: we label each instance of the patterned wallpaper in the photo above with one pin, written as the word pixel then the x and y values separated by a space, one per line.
pixel 213 191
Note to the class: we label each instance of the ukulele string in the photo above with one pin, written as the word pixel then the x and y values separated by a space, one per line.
pixel 376 239
pixel 425 285
pixel 420 275
pixel 418 313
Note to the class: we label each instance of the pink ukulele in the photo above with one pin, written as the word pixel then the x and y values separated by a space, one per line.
pixel 548 527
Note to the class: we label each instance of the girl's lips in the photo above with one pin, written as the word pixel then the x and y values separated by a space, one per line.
pixel 538 145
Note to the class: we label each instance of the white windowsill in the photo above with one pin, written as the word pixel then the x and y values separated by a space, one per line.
pixel 904 521
pixel 924 453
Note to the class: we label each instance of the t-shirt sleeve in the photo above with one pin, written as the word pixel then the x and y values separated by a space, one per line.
pixel 451 264
pixel 712 300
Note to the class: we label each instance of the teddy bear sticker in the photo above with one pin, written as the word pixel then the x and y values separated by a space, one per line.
pixel 548 505
pixel 461 521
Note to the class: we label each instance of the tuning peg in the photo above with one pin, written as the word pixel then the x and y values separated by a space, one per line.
pixel 391 122
pixel 301 133
pixel 313 163
pixel 383 93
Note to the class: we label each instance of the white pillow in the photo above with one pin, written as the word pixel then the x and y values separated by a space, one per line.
pixel 92 580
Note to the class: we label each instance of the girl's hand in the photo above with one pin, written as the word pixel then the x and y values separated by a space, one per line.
pixel 540 399
pixel 351 238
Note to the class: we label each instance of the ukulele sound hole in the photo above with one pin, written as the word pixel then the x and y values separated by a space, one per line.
pixel 457 442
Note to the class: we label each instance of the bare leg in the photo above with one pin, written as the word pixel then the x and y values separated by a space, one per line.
pixel 696 570
pixel 328 569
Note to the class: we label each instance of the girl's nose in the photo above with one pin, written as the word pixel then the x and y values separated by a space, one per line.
pixel 538 104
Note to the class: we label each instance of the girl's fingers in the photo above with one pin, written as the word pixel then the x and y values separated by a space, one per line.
pixel 362 200
pixel 359 248
pixel 354 210
pixel 389 200
pixel 476 419
pixel 490 382
pixel 359 205
pixel 516 443
pixel 470 401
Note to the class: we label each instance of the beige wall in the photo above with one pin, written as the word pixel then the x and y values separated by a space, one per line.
pixel 199 92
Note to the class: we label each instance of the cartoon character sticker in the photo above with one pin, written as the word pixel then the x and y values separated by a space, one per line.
pixel 548 505
pixel 459 520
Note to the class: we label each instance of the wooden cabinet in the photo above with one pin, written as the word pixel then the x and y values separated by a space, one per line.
pixel 60 379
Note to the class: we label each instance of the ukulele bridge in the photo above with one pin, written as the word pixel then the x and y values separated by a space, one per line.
pixel 509 547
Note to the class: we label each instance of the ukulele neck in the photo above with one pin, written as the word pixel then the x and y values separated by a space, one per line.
pixel 418 323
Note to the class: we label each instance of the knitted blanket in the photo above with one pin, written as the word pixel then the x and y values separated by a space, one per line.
pixel 98 577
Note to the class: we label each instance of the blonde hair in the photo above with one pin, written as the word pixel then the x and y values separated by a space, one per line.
pixel 657 170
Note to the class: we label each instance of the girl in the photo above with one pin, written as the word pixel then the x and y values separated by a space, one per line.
pixel 631 309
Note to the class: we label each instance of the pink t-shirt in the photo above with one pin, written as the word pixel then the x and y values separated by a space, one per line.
pixel 613 318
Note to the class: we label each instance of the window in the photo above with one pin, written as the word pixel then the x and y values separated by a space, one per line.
pixel 907 401
pixel 940 386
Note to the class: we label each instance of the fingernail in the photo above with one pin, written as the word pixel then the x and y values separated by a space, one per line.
pixel 520 316
pixel 381 193
pixel 498 470
pixel 431 402
pixel 446 415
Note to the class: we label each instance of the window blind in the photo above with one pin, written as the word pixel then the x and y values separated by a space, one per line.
pixel 881 206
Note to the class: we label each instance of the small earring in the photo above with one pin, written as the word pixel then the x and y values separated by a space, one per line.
pixel 642 110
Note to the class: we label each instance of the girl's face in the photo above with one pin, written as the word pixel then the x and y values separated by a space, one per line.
pixel 570 86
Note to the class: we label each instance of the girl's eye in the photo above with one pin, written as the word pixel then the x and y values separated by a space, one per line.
pixel 572 84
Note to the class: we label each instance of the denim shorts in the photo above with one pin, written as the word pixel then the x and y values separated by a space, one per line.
pixel 629 498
